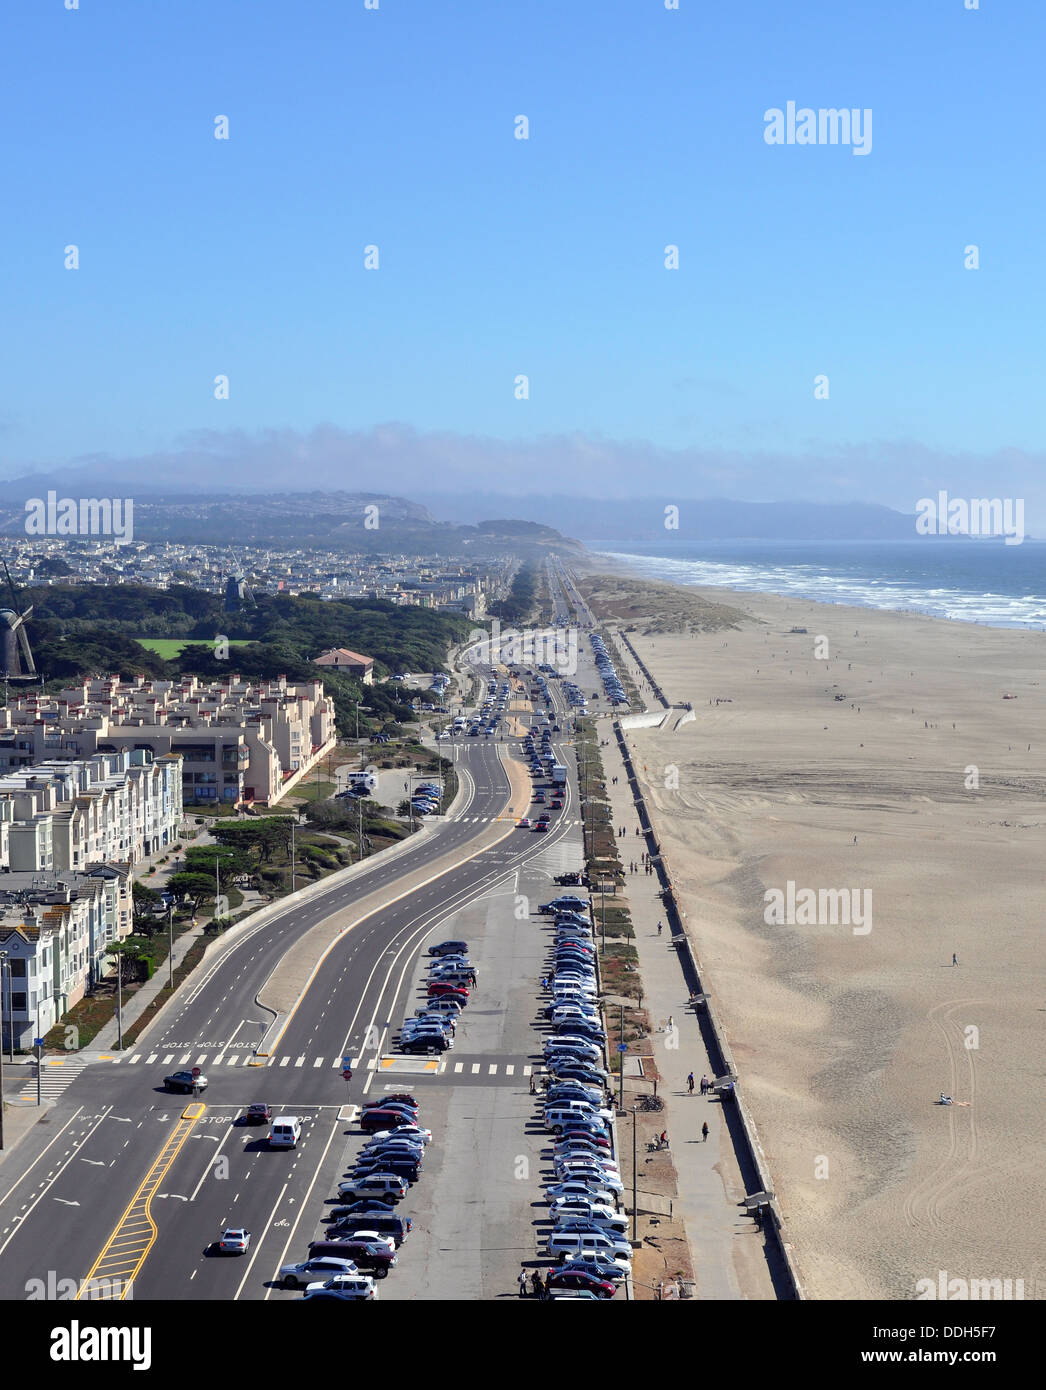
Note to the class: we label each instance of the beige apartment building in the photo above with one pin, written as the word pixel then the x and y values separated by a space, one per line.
pixel 238 741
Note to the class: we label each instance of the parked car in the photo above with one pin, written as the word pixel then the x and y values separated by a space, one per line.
pixel 294 1276
pixel 388 1185
pixel 347 1286
pixel 374 1256
pixel 579 1280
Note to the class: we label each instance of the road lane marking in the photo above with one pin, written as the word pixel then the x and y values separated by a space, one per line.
pixel 134 1235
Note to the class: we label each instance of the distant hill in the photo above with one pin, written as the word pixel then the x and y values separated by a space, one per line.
pixel 643 518
pixel 367 522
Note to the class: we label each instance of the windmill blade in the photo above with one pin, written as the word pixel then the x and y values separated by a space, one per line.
pixel 10 584
pixel 26 614
pixel 23 641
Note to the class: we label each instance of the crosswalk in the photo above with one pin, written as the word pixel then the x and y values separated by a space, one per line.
pixel 57 1076
pixel 60 1072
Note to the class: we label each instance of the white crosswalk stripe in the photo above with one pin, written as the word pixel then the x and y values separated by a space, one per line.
pixel 57 1075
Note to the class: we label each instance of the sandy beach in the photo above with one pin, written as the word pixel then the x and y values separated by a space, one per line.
pixel 891 728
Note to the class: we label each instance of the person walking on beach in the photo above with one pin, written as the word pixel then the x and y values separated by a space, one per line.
pixel 704 1133
pixel 855 839
pixel 955 959
pixel 690 1084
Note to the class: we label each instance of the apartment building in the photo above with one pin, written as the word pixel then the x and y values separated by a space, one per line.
pixel 112 807
pixel 238 741
pixel 55 929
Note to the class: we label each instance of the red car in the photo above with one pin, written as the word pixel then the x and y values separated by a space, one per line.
pixel 541 825
pixel 438 990
pixel 257 1114
pixel 580 1279
pixel 599 1141
pixel 401 1096
pixel 557 805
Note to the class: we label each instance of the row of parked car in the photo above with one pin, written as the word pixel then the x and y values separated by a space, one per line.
pixel 365 1229
pixel 451 979
pixel 588 1240
pixel 425 799
pixel 611 684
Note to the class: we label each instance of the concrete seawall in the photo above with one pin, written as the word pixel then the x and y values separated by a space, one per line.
pixel 755 1169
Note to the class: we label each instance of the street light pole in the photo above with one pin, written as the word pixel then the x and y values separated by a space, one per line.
pixel 119 1001
pixel 292 855
pixel 635 1180
pixel 170 945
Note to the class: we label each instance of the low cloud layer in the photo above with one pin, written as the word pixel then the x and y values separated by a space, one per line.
pixel 399 459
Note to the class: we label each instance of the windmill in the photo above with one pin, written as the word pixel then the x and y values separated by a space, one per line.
pixel 14 636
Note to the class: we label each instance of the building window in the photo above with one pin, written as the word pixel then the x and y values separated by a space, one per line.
pixel 18 1003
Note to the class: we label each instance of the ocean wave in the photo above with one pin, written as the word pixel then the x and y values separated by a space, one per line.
pixel 823 585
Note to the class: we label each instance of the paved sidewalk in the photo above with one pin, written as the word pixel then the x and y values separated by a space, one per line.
pixel 134 1005
pixel 725 1246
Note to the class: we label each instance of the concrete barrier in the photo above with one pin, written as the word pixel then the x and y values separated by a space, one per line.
pixel 658 692
pixel 713 1030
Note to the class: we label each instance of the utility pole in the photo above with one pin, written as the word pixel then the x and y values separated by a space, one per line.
pixel 621 1035
pixel 119 1001
pixel 39 1040
pixel 293 823
pixel 635 1180
pixel 359 808
pixel 170 945
pixel 10 1008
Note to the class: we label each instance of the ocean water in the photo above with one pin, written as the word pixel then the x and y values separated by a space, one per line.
pixel 969 581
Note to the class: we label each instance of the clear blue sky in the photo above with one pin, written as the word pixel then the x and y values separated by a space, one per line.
pixel 500 256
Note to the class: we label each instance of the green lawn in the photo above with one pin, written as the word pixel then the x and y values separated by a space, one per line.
pixel 170 647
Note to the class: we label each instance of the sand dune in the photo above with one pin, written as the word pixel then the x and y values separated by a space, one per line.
pixel 846 1040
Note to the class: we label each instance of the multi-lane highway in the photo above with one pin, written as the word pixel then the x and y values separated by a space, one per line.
pixel 123 1182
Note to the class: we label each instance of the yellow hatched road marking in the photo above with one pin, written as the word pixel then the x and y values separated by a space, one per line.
pixel 134 1235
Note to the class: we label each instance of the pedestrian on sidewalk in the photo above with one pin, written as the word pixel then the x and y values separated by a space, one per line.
pixel 690 1084
pixel 659 926
pixel 955 959
pixel 671 1023
pixel 704 1133
pixel 522 1283
pixel 704 1085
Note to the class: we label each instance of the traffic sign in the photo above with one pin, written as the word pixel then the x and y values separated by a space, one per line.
pixel 38 1042
pixel 346 1063
pixel 347 1074
pixel 196 1071
pixel 622 1047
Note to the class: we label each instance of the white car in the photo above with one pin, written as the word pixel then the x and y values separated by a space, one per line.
pixel 306 1271
pixel 376 1239
pixel 352 1286
pixel 587 1209
pixel 404 1132
pixel 580 1188
pixel 235 1241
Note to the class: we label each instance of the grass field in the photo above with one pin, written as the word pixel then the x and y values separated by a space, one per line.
pixel 170 647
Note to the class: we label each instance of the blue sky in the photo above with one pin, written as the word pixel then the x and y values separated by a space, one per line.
pixel 544 256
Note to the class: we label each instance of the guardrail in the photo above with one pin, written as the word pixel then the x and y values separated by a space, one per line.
pixel 712 1027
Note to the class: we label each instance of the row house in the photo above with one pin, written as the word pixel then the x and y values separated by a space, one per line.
pixel 55 931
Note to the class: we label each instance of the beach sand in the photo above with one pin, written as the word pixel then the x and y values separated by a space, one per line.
pixel 844 1041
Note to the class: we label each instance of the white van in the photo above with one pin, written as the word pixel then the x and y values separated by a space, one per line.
pixel 562 1115
pixel 570 1245
pixel 285 1132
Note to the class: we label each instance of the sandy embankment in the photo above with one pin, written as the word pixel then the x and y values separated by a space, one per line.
pixel 845 1040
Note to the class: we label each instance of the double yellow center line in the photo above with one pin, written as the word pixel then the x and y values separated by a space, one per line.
pixel 113 1273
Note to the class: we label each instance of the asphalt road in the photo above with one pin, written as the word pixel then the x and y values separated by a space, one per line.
pixel 75 1189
